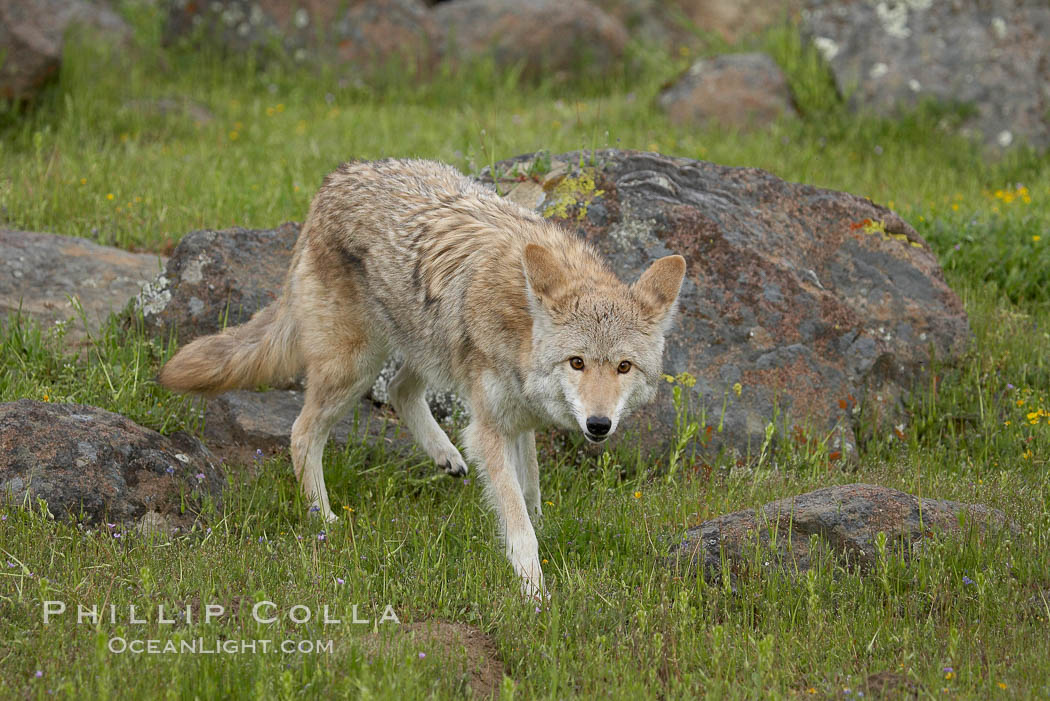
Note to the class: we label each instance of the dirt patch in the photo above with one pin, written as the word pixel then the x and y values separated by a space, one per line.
pixel 467 651
pixel 890 685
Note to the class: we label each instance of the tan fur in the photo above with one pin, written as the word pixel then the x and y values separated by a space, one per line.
pixel 479 295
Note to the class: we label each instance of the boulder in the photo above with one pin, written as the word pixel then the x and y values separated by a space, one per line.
pixel 802 308
pixel 841 522
pixel 734 90
pixel 543 36
pixel 993 55
pixel 32 34
pixel 216 279
pixel 41 273
pixel 362 33
pixel 92 465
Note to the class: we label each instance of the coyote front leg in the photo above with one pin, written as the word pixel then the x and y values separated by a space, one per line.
pixel 497 454
pixel 528 471
pixel 407 392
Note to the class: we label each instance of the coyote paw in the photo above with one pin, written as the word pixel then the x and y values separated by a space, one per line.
pixel 457 467
pixel 535 592
pixel 532 586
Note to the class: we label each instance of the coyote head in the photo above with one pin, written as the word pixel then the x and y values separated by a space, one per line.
pixel 597 343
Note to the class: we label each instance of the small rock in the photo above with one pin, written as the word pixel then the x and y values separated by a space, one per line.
pixel 32 34
pixel 155 523
pixel 734 90
pixel 845 519
pixel 544 36
pixel 94 465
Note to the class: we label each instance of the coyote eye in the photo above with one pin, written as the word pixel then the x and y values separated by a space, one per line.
pixel 576 362
pixel 624 367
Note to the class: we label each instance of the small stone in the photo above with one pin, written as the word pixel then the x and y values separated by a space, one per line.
pixel 735 90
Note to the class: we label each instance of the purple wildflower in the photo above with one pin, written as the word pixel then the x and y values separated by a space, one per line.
pixel 422 655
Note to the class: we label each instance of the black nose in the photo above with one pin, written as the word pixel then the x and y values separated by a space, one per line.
pixel 598 425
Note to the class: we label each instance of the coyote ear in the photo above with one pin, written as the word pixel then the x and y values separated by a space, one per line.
pixel 545 275
pixel 657 288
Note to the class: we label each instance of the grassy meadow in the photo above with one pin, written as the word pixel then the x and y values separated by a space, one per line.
pixel 136 147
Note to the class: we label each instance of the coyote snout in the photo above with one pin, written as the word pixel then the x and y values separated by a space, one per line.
pixel 520 317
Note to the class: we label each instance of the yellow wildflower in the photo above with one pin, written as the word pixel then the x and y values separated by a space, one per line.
pixel 738 388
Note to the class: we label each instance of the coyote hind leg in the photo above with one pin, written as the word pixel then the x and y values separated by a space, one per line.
pixel 331 390
pixel 407 393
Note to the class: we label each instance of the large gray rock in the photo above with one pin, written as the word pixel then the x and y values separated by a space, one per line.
pixel 41 273
pixel 32 34
pixel 991 54
pixel 543 36
pixel 845 521
pixel 800 307
pixel 91 464
pixel 734 90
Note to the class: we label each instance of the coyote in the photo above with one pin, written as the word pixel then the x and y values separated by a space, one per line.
pixel 480 296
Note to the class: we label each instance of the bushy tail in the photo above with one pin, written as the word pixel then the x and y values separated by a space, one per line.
pixel 260 351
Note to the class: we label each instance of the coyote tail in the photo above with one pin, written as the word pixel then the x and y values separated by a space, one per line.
pixel 259 351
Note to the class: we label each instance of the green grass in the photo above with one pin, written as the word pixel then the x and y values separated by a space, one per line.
pixel 620 624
